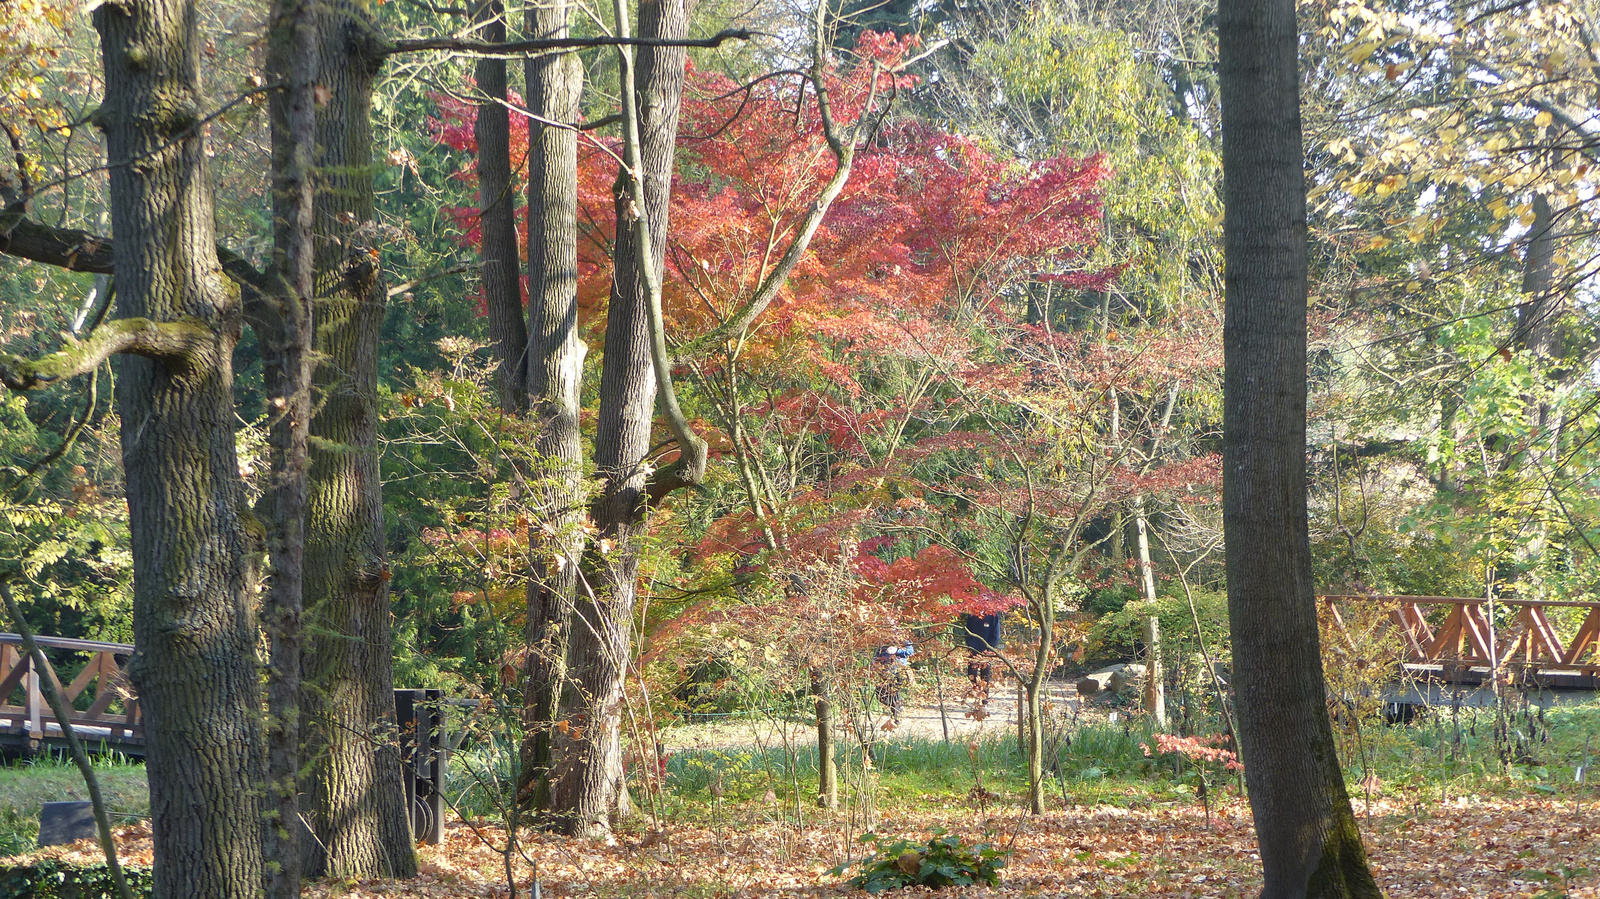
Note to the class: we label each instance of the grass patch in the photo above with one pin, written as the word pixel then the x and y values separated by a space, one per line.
pixel 25 786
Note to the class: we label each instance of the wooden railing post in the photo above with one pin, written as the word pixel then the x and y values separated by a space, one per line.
pixel 35 702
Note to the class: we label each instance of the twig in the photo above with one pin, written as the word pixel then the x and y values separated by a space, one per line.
pixel 510 49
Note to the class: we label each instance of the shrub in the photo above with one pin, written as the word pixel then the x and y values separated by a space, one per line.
pixel 943 861
pixel 50 879
pixel 1116 636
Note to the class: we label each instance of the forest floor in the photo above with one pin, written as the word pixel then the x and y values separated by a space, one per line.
pixel 1471 847
pixel 732 818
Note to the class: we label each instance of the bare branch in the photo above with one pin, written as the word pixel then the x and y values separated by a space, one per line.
pixel 534 47
pixel 80 251
pixel 401 288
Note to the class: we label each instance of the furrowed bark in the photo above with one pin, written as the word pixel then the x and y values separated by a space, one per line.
pixel 196 550
pixel 554 374
pixel 286 364
pixel 354 796
pixel 502 266
pixel 589 776
pixel 1310 846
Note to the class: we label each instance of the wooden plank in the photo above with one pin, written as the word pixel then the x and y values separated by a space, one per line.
pixel 85 677
pixel 1448 638
pixel 19 669
pixel 35 700
pixel 1477 627
pixel 1545 635
pixel 1414 628
pixel 1587 636
pixel 1338 623
pixel 1459 600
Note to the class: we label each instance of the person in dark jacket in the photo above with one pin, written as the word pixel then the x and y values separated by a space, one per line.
pixel 982 636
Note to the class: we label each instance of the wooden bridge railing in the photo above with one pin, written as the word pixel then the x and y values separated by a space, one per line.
pixel 29 725
pixel 1528 642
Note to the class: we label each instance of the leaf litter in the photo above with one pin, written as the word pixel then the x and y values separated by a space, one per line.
pixel 1490 847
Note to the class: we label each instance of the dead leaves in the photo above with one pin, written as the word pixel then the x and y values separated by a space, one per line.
pixel 1471 848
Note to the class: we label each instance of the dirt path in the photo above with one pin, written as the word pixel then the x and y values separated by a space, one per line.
pixel 921 718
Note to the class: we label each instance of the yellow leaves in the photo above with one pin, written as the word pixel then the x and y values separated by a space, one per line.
pixel 1543 119
pixel 1360 53
pixel 1389 185
pixel 1498 208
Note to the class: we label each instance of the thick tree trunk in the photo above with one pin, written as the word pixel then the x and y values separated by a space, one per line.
pixel 354 796
pixel 1310 846
pixel 196 550
pixel 554 375
pixel 502 266
pixel 589 778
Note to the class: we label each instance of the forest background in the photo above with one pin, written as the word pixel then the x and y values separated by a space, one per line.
pixel 993 382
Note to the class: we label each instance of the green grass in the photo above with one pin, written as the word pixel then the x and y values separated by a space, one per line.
pixel 27 785
pixel 1105 765
pixel 1099 765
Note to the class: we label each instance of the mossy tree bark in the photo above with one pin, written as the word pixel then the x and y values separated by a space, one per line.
pixel 284 329
pixel 196 550
pixel 1310 846
pixel 354 795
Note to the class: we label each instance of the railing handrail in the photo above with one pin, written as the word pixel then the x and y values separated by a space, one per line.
pixel 1462 600
pixel 68 643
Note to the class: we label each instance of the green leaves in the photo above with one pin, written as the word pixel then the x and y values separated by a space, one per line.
pixel 943 861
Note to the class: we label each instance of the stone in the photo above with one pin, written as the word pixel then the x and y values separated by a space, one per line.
pixel 66 822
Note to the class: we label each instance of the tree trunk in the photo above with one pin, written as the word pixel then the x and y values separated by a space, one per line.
pixel 502 266
pixel 1035 736
pixel 354 795
pixel 590 775
pixel 827 768
pixel 1540 313
pixel 1310 846
pixel 196 550
pixel 1155 687
pixel 1155 693
pixel 555 371
pixel 285 334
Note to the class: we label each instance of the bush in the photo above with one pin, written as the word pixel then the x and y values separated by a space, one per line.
pixel 50 879
pixel 944 861
pixel 1117 635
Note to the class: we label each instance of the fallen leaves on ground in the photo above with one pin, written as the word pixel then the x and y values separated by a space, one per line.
pixel 1469 848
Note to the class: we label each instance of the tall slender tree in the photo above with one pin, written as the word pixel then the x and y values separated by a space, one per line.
pixel 354 796
pixel 554 376
pixel 501 272
pixel 1310 846
pixel 588 781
